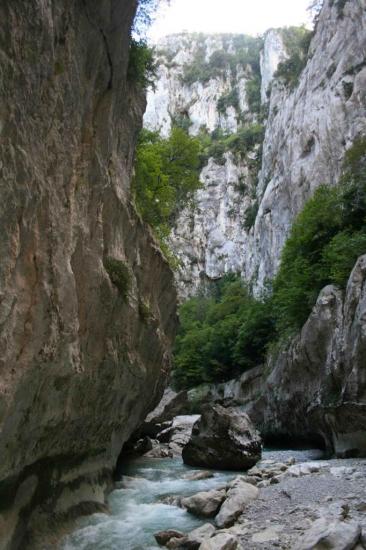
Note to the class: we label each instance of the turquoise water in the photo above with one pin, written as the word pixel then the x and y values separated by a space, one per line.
pixel 136 508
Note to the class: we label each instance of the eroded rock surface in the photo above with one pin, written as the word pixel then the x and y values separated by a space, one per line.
pixel 223 438
pixel 80 366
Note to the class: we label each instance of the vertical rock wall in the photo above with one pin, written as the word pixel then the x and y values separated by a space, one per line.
pixel 87 302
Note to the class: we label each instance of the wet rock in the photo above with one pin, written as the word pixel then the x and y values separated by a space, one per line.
pixel 221 541
pixel 195 476
pixel 238 497
pixel 224 438
pixel 162 537
pixel 196 537
pixel 333 535
pixel 204 504
pixel 159 452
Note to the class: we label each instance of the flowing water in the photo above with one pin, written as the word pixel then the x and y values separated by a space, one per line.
pixel 137 510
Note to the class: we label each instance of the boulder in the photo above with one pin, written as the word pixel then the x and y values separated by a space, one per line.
pixel 193 540
pixel 238 497
pixel 162 537
pixel 333 535
pixel 221 541
pixel 224 438
pixel 204 504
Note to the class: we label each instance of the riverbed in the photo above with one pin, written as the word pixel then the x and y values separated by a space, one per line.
pixel 138 506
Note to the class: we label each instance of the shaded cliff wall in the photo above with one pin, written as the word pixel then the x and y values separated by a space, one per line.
pixel 87 302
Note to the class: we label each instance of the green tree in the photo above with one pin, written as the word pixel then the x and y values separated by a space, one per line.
pixel 166 176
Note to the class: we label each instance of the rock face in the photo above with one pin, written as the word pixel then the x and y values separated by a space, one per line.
pixel 223 438
pixel 209 239
pixel 316 389
pixel 308 130
pixel 318 385
pixel 80 365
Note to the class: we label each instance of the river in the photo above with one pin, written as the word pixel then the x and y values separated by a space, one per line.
pixel 136 507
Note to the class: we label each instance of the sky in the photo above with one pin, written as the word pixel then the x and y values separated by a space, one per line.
pixel 236 16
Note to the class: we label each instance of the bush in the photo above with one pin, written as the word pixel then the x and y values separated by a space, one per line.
pixel 119 275
pixel 221 334
pixel 141 65
pixel 297 42
pixel 166 176
pixel 324 242
pixel 231 99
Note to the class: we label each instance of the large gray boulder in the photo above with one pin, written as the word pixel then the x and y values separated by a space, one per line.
pixel 205 504
pixel 238 497
pixel 335 535
pixel 224 438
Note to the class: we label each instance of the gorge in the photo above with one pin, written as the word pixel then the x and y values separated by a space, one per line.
pixel 88 300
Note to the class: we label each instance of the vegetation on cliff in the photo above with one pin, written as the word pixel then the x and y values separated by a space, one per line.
pixel 166 176
pixel 226 330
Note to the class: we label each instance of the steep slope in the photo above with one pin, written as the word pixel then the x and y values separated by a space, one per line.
pixel 87 302
pixel 244 211
pixel 210 85
pixel 309 129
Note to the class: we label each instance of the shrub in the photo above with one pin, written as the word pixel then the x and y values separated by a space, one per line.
pixel 141 65
pixel 222 333
pixel 250 215
pixel 166 176
pixel 231 99
pixel 297 42
pixel 119 275
pixel 324 243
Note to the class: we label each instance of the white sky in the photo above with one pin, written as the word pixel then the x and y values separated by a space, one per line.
pixel 236 16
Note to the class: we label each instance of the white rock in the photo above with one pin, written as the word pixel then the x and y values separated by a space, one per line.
pixel 238 497
pixel 221 541
pixel 333 535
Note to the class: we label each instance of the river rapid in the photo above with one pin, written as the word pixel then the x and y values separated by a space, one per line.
pixel 137 510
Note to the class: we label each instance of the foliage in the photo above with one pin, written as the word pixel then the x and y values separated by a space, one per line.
pixel 141 65
pixel 119 275
pixel 297 43
pixel 231 99
pixel 242 142
pixel 226 331
pixel 325 241
pixel 246 53
pixel 253 92
pixel 166 176
pixel 221 334
pixel 250 215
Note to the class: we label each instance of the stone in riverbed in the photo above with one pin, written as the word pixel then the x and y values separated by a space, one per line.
pixel 162 537
pixel 224 438
pixel 221 541
pixel 333 535
pixel 204 504
pixel 238 497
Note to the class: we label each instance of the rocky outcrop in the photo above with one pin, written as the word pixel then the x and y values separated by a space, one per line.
pixel 223 438
pixel 314 389
pixel 308 130
pixel 81 365
pixel 317 385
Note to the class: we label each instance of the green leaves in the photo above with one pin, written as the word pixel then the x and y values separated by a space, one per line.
pixel 221 334
pixel 166 176
pixel 324 244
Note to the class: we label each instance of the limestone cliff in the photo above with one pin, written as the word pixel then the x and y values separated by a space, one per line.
pixel 87 303
pixel 243 216
pixel 203 83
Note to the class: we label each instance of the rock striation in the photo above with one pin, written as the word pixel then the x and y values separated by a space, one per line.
pixel 81 362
